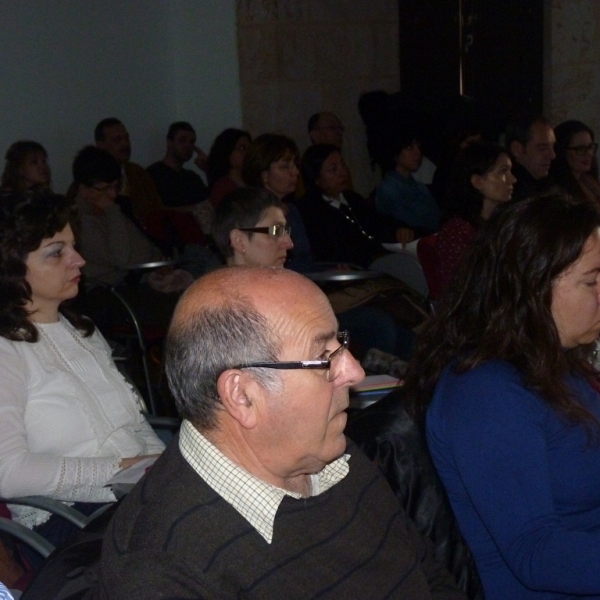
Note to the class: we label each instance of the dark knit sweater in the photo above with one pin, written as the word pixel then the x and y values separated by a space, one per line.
pixel 174 537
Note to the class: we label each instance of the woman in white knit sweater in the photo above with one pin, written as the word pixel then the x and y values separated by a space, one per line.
pixel 68 419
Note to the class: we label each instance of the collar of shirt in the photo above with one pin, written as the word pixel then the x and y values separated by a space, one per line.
pixel 336 202
pixel 256 500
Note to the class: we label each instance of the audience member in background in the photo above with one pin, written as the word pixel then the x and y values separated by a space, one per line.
pixel 505 377
pixel 111 240
pixel 251 230
pixel 530 140
pixel 263 496
pixel 463 135
pixel 326 128
pixel 482 179
pixel 575 168
pixel 225 161
pixel 26 168
pixel 401 197
pixel 271 162
pixel 179 188
pixel 341 227
pixel 68 419
pixel 110 135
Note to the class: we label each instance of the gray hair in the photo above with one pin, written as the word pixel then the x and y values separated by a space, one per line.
pixel 209 341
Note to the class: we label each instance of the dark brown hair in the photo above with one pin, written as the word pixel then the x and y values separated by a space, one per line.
pixel 15 156
pixel 263 152
pixel 499 305
pixel 559 169
pixel 25 220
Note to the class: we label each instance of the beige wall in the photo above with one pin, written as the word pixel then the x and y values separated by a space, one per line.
pixel 298 57
pixel 572 73
pixel 301 56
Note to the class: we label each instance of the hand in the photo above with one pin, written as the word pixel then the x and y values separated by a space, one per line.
pixel 404 235
pixel 201 159
pixel 129 462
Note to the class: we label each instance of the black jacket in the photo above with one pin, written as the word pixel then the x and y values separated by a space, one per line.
pixel 392 439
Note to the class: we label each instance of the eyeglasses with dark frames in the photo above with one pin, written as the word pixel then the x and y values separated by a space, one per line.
pixel 581 150
pixel 274 230
pixel 115 186
pixel 325 365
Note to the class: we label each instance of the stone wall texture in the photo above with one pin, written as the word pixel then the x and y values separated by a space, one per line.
pixel 572 72
pixel 298 57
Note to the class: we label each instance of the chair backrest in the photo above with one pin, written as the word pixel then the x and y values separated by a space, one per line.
pixel 404 266
pixel 428 257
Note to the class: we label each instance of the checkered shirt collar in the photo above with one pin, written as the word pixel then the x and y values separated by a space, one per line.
pixel 256 500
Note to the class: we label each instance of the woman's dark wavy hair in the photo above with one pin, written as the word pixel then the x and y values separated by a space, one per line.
pixel 25 220
pixel 218 157
pixel 312 163
pixel 560 171
pixel 499 306
pixel 15 156
pixel 462 199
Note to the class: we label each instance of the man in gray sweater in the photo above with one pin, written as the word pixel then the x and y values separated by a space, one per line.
pixel 261 495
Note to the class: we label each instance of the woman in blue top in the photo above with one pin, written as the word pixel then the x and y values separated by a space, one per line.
pixel 503 374
pixel 403 198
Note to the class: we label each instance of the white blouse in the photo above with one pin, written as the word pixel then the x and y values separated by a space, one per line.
pixel 67 418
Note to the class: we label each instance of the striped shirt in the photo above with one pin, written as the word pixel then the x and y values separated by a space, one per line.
pixel 4 593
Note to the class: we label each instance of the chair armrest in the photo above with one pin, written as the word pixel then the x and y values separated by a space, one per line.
pixel 57 508
pixel 31 538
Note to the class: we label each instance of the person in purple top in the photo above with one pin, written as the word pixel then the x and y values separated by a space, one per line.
pixel 504 376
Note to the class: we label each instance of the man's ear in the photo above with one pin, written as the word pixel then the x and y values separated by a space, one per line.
pixel 238 393
pixel 517 149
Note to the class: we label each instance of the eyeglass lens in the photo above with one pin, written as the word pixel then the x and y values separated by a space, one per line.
pixel 593 148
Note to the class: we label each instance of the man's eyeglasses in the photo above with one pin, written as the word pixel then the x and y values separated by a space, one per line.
pixel 275 230
pixel 107 187
pixel 581 150
pixel 332 364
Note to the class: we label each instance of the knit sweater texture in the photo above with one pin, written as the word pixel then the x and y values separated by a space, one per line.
pixel 174 537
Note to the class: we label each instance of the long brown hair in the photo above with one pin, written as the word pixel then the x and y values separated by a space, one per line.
pixel 499 304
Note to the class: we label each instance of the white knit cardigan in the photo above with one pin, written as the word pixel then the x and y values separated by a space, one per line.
pixel 67 418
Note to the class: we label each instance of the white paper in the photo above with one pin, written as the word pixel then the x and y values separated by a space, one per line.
pixel 134 473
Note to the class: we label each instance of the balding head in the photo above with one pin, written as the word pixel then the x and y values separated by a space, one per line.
pixel 326 128
pixel 229 317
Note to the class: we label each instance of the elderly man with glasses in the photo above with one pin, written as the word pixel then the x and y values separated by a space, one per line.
pixel 261 495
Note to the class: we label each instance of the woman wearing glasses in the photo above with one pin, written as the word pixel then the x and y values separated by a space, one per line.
pixel 250 229
pixel 271 163
pixel 575 168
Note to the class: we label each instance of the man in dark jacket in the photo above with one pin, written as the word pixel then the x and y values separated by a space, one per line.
pixel 530 140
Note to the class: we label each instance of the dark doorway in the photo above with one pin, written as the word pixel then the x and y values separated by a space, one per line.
pixel 487 51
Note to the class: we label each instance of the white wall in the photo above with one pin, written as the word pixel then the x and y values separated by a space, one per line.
pixel 66 64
